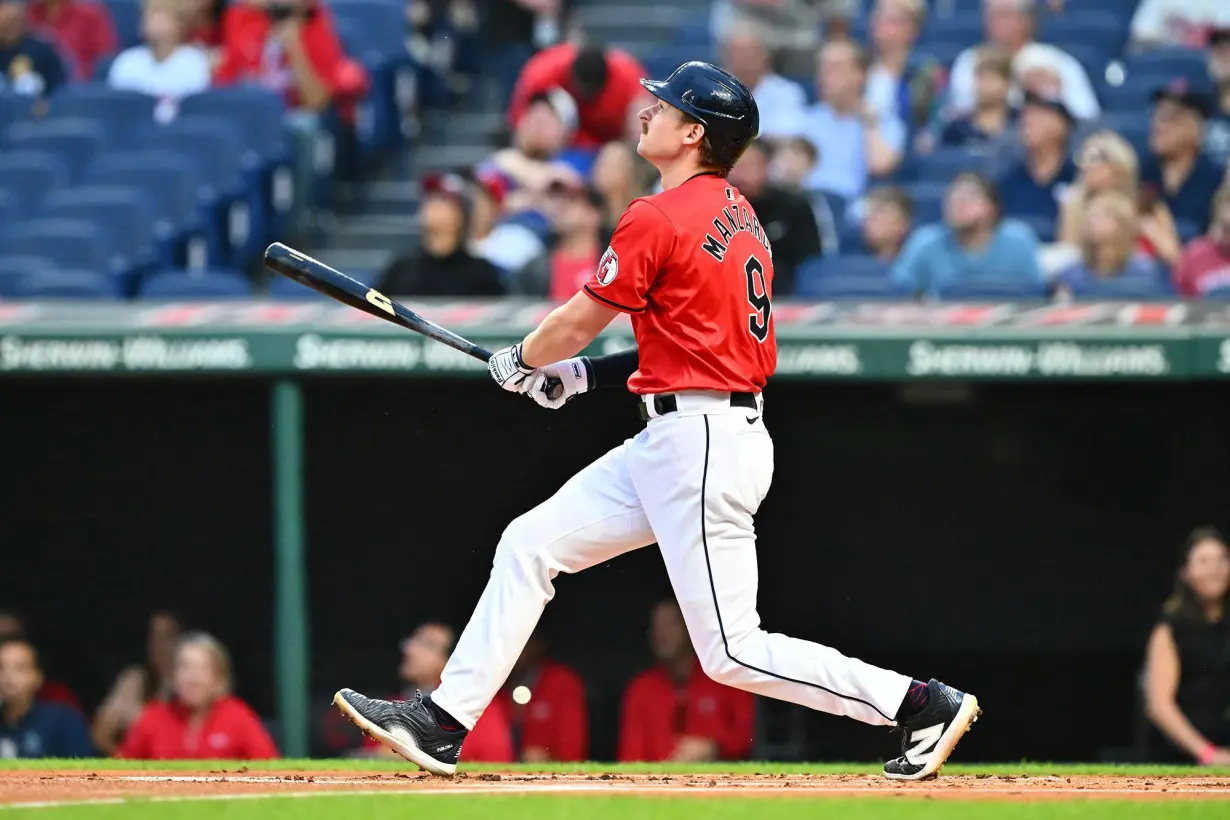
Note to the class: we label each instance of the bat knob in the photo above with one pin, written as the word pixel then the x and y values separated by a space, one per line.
pixel 554 388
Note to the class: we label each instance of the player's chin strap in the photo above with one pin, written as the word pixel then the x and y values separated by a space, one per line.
pixel 613 370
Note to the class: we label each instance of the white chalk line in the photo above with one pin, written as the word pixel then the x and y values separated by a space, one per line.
pixel 818 792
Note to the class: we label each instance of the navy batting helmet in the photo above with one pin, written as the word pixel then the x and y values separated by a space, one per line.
pixel 715 98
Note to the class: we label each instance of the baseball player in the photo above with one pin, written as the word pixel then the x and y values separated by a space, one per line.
pixel 693 267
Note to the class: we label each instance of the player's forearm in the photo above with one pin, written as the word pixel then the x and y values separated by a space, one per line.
pixel 566 331
pixel 555 339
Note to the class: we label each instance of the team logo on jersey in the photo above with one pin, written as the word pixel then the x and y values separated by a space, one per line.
pixel 608 267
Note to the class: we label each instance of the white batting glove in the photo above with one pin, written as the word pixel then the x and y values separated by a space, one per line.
pixel 509 370
pixel 553 385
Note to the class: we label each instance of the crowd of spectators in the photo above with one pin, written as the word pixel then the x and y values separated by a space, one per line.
pixel 291 49
pixel 178 704
pixel 188 45
pixel 1006 167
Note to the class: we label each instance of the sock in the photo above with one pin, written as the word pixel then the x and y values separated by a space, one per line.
pixel 447 722
pixel 916 699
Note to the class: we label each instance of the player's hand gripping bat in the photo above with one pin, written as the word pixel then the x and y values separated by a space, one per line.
pixel 336 285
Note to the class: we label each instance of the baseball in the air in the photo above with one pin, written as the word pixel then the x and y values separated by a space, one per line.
pixel 521 695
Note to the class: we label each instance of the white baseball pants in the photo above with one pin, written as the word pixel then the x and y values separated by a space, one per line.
pixel 690 481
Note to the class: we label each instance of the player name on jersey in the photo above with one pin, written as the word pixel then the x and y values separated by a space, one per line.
pixel 733 219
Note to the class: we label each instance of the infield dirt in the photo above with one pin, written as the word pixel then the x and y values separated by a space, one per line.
pixel 33 786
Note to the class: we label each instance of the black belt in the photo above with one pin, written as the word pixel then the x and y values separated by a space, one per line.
pixel 669 404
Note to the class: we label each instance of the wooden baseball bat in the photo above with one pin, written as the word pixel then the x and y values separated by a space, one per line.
pixel 333 283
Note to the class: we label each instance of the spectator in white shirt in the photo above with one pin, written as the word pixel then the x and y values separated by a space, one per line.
pixel 165 67
pixel 1010 25
pixel 854 141
pixel 781 102
pixel 1177 22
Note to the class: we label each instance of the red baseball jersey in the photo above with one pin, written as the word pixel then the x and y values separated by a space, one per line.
pixel 694 268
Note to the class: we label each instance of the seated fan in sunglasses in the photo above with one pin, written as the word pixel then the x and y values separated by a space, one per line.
pixel 1107 164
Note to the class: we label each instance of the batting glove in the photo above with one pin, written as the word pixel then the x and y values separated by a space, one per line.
pixel 556 384
pixel 510 370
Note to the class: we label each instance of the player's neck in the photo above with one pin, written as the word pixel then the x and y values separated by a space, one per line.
pixel 680 171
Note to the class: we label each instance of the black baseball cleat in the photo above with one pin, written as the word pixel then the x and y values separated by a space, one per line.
pixel 409 728
pixel 930 736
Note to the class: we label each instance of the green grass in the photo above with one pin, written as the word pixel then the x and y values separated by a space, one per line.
pixel 1030 768
pixel 536 807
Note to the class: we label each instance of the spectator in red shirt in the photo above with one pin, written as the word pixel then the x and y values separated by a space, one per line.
pixel 674 711
pixel 1205 263
pixel 554 723
pixel 290 46
pixel 83 29
pixel 606 85
pixel 13 627
pixel 423 656
pixel 576 214
pixel 203 721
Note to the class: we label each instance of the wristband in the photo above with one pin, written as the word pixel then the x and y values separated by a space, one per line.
pixel 1206 755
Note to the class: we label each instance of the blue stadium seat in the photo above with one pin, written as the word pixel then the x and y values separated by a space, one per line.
pixel 382 24
pixel 10 206
pixel 126 14
pixel 1093 56
pixel 1042 226
pixel 928 200
pixel 1218 293
pixel 844 277
pixel 1174 62
pixel 70 243
pixel 1126 288
pixel 126 214
pixel 172 181
pixel 256 112
pixel 1094 25
pixel 695 32
pixel 992 287
pixel 962 27
pixel 13 268
pixel 14 108
pixel 65 284
pixel 29 175
pixel 102 68
pixel 1187 229
pixel 214 143
pixel 77 142
pixel 119 111
pixel 205 285
pixel 1136 92
pixel 1133 126
pixel 943 165
pixel 285 289
pixel 235 187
